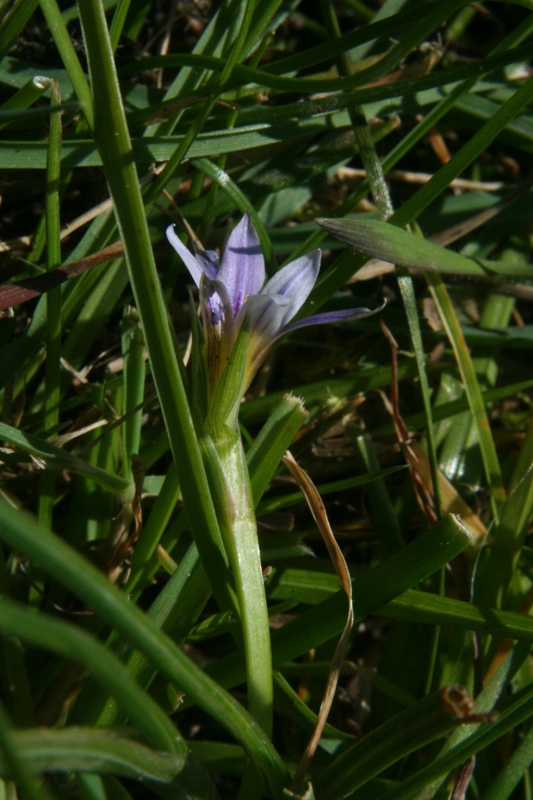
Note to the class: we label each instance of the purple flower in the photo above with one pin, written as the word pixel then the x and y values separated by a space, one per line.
pixel 236 289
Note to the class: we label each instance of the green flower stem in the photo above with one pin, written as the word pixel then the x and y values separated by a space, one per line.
pixel 178 605
pixel 232 494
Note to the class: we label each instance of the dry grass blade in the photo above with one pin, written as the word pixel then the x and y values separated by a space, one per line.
pixel 317 508
pixel 419 464
pixel 452 502
pixel 15 293
pixel 463 780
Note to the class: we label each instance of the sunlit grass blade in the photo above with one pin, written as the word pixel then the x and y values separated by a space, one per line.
pixel 25 97
pixel 416 606
pixel 413 606
pixel 382 240
pixel 473 392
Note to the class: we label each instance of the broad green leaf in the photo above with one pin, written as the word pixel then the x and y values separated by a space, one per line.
pixel 389 243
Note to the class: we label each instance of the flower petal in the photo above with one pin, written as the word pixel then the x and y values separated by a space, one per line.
pixel 242 270
pixel 331 316
pixel 214 294
pixel 295 281
pixel 208 261
pixel 185 254
pixel 266 315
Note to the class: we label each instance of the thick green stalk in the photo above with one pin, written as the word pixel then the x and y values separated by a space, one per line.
pixel 232 494
pixel 231 489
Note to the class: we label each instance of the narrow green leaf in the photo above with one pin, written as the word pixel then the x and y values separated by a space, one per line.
pixel 473 391
pixel 467 742
pixel 493 583
pixel 511 773
pixel 134 376
pixel 274 438
pixel 433 609
pixel 244 75
pixel 53 301
pixel 12 756
pixel 14 22
pixel 21 100
pixel 74 749
pixel 403 733
pixel 116 152
pixel 371 589
pixel 289 500
pixel 70 59
pixel 24 534
pixel 62 459
pixel 72 642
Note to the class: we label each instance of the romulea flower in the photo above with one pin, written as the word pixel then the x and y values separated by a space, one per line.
pixel 235 290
